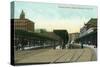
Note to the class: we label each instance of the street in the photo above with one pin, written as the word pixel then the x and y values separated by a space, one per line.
pixel 49 55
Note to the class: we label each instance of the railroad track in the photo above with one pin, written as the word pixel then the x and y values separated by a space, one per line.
pixel 86 56
pixel 69 56
pixel 58 58
pixel 73 56
pixel 77 56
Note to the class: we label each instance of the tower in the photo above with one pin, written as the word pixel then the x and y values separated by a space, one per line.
pixel 22 15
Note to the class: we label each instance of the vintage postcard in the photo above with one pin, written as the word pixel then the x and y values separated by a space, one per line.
pixel 46 33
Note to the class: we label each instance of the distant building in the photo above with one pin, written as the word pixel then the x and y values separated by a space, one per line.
pixel 88 33
pixel 23 24
pixel 73 36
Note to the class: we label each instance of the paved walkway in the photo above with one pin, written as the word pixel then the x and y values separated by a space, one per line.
pixel 55 56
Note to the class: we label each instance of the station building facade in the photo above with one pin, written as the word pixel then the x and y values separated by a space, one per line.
pixel 88 33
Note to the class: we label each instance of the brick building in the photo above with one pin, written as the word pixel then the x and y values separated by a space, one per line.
pixel 23 24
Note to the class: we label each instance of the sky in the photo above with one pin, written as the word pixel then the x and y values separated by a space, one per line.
pixel 52 16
